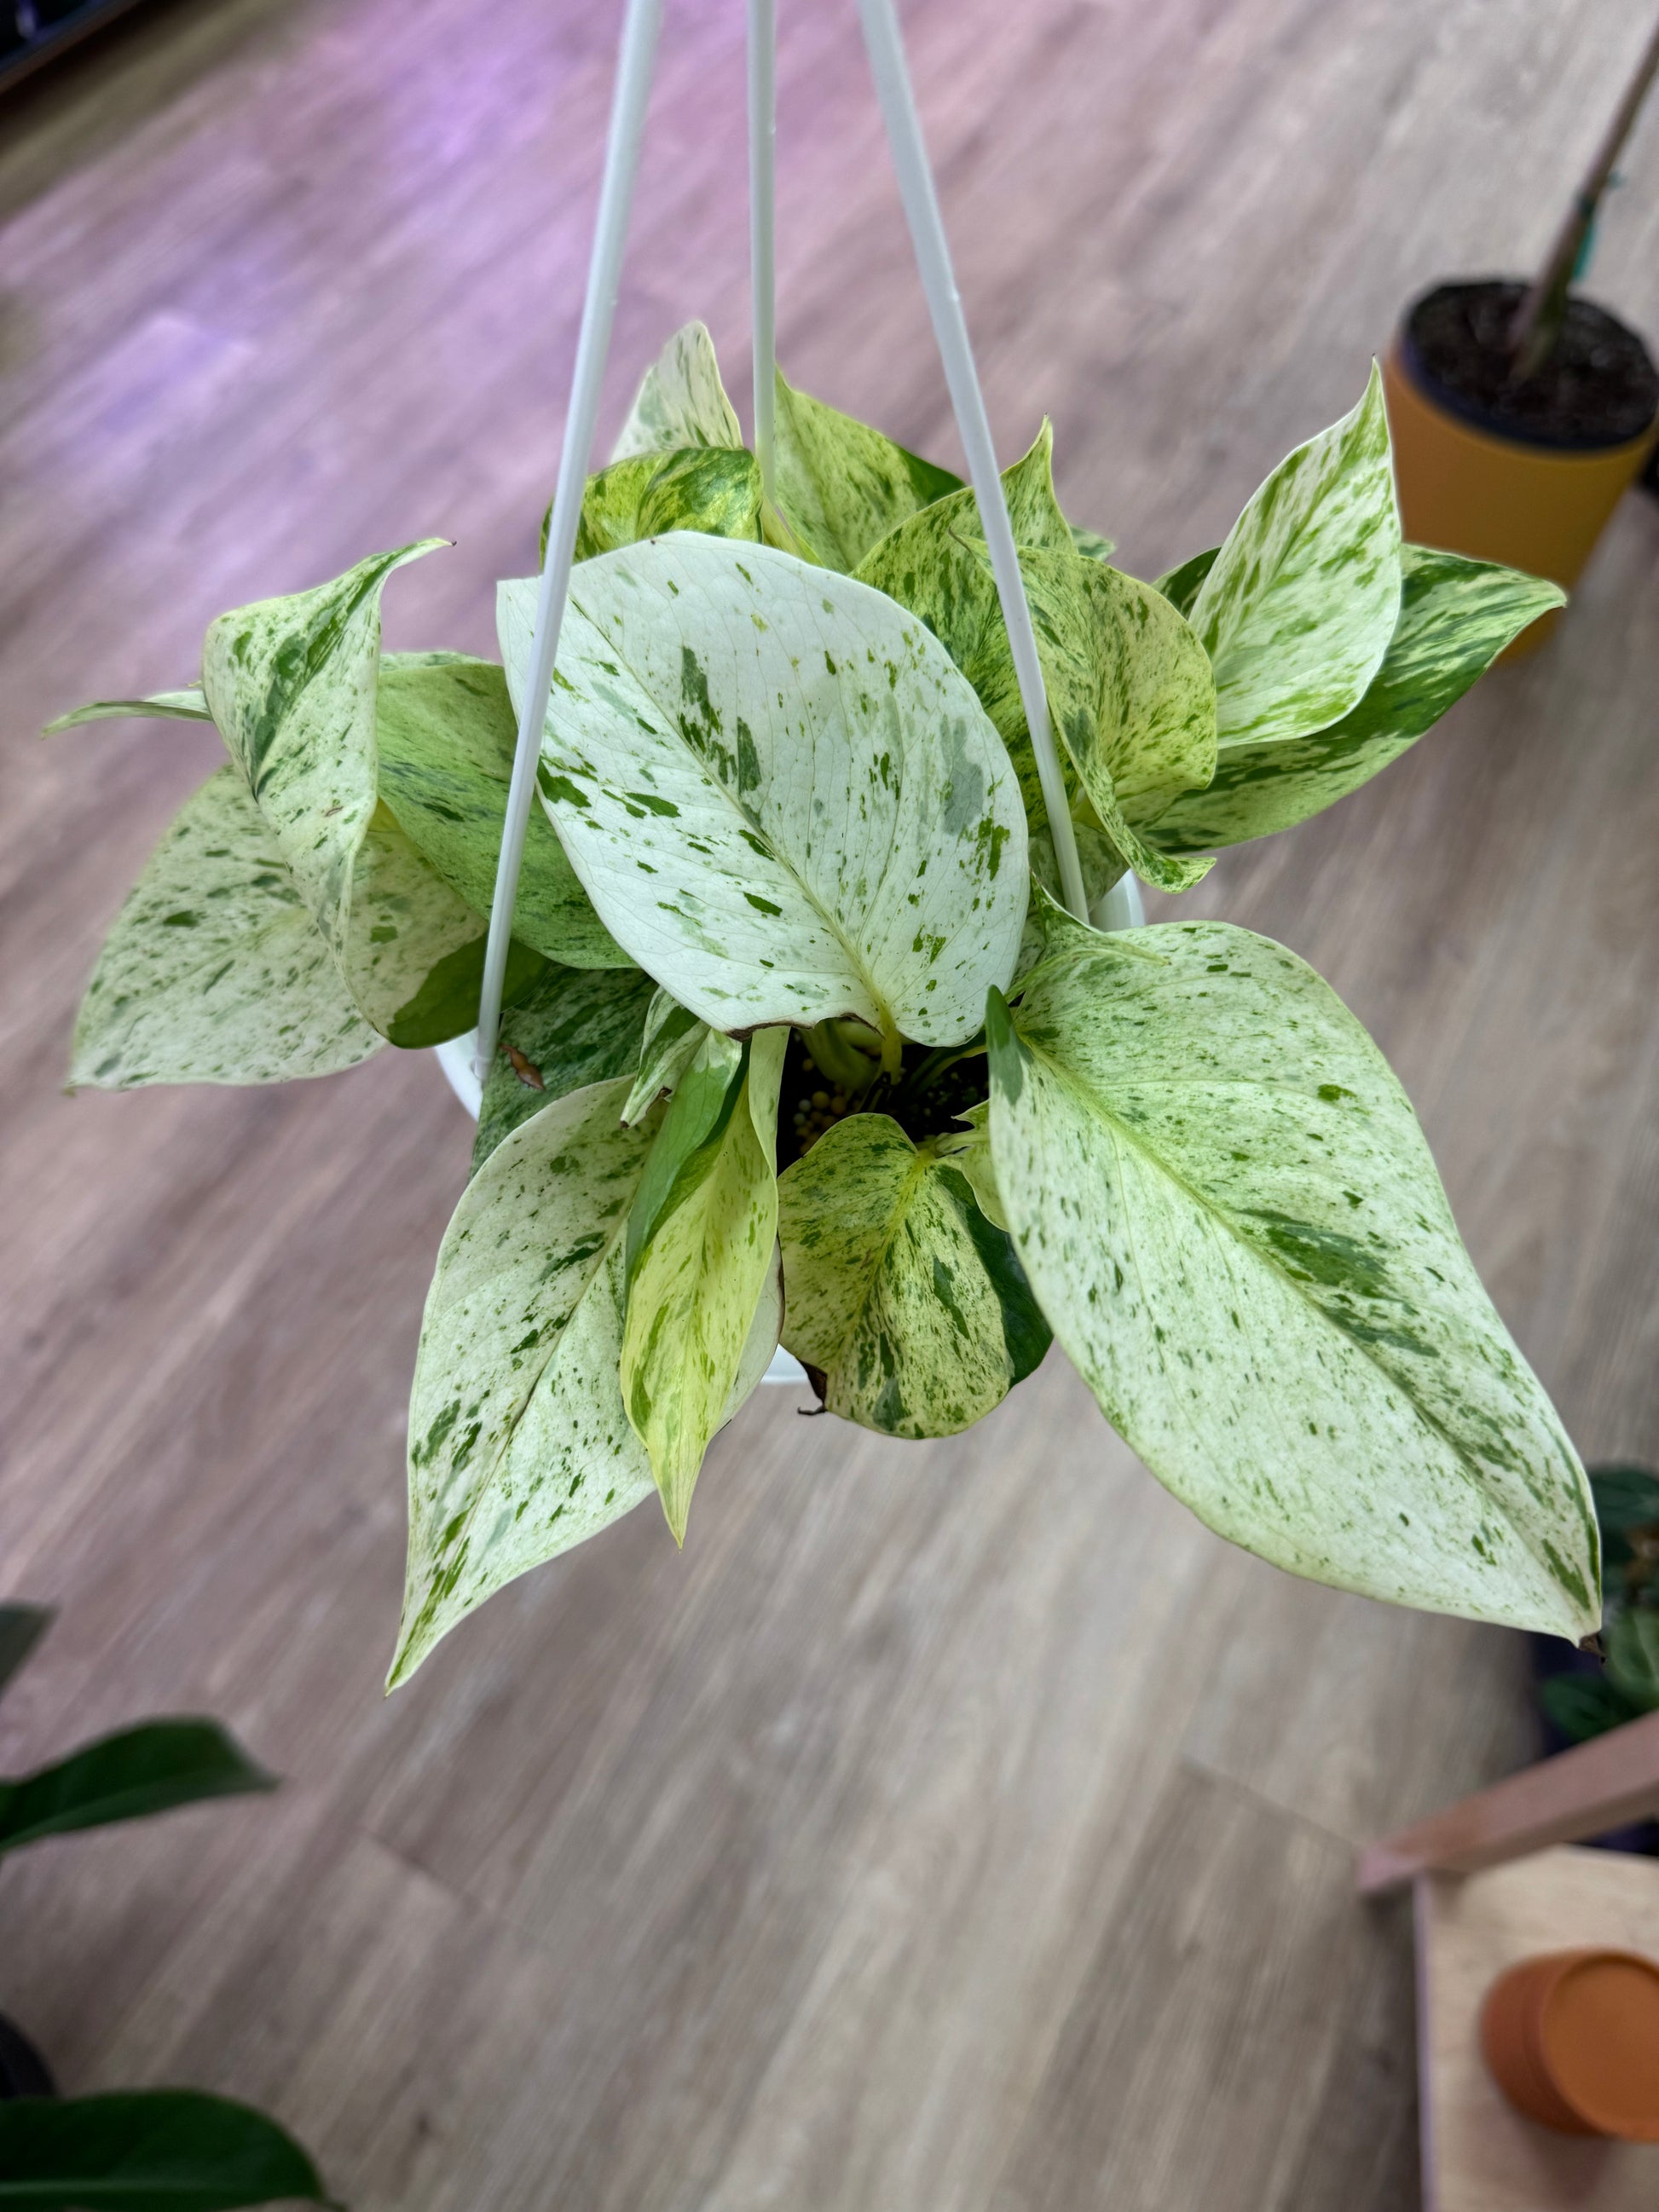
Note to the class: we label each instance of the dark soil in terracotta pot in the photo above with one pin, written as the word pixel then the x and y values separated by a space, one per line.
pixel 1598 388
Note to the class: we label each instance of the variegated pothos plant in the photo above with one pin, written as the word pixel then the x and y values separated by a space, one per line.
pixel 800 1045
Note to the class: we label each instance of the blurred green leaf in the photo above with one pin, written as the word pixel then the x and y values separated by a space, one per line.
pixel 1627 1506
pixel 1584 1705
pixel 1633 1639
pixel 127 1777
pixel 21 1627
pixel 146 2150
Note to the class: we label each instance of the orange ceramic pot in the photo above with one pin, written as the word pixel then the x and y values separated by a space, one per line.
pixel 1572 2039
pixel 1464 488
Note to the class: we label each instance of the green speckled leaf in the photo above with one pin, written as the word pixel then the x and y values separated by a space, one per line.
pixel 1456 617
pixel 842 485
pixel 1226 1208
pixel 782 798
pixel 682 401
pixel 573 1027
pixel 715 489
pixel 214 971
pixel 1130 686
pixel 1091 544
pixel 518 1446
pixel 969 1150
pixel 1180 586
pixel 187 706
pixel 1298 608
pixel 673 1037
pixel 701 1252
pixel 446 734
pixel 896 1287
pixel 291 684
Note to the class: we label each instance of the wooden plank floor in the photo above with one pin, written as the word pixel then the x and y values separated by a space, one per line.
pixel 953 1828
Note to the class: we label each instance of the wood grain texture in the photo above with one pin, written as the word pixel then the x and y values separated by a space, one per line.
pixel 953 1826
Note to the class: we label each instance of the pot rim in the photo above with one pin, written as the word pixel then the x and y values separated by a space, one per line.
pixel 1469 413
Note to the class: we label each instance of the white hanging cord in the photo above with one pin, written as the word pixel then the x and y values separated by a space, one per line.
pixel 933 252
pixel 763 282
pixel 635 55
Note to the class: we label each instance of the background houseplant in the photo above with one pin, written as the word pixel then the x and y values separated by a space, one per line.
pixel 1521 411
pixel 834 874
pixel 140 2150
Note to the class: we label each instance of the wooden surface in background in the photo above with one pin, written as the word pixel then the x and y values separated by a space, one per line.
pixel 954 1827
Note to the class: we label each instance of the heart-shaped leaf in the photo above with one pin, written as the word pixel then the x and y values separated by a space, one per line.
pixel 714 489
pixel 214 971
pixel 146 2150
pixel 842 485
pixel 682 401
pixel 1296 611
pixel 573 1027
pixel 292 683
pixel 1226 1209
pixel 702 1249
pixel 896 1287
pixel 518 1446
pixel 1456 617
pixel 783 799
pixel 446 734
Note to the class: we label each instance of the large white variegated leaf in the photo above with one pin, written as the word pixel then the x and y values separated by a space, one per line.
pixel 681 402
pixel 701 1246
pixel 214 971
pixel 446 734
pixel 1228 1212
pixel 911 1305
pixel 187 706
pixel 1455 616
pixel 784 800
pixel 291 684
pixel 1297 608
pixel 842 485
pixel 518 1446
pixel 573 1027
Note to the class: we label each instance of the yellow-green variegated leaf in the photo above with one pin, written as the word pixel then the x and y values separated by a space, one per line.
pixel 1228 1212
pixel 842 485
pixel 1455 616
pixel 672 1038
pixel 446 733
pixel 715 489
pixel 214 971
pixel 187 706
pixel 1091 544
pixel 682 401
pixel 701 1250
pixel 1298 607
pixel 518 1447
pixel 573 1027
pixel 292 683
pixel 909 1302
pixel 1130 686
pixel 969 1149
pixel 1180 586
pixel 784 800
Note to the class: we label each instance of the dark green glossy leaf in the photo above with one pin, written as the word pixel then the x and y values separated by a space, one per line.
pixel 1585 1705
pixel 127 1777
pixel 1632 1641
pixel 146 2150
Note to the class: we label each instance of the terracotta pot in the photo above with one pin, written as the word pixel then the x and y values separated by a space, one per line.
pixel 1464 489
pixel 1572 2039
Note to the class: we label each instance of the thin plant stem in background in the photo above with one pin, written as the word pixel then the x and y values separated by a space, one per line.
pixel 635 57
pixel 1538 320
pixel 885 47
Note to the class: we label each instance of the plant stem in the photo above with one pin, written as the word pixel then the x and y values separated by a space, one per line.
pixel 636 55
pixel 762 196
pixel 933 251
pixel 1539 318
